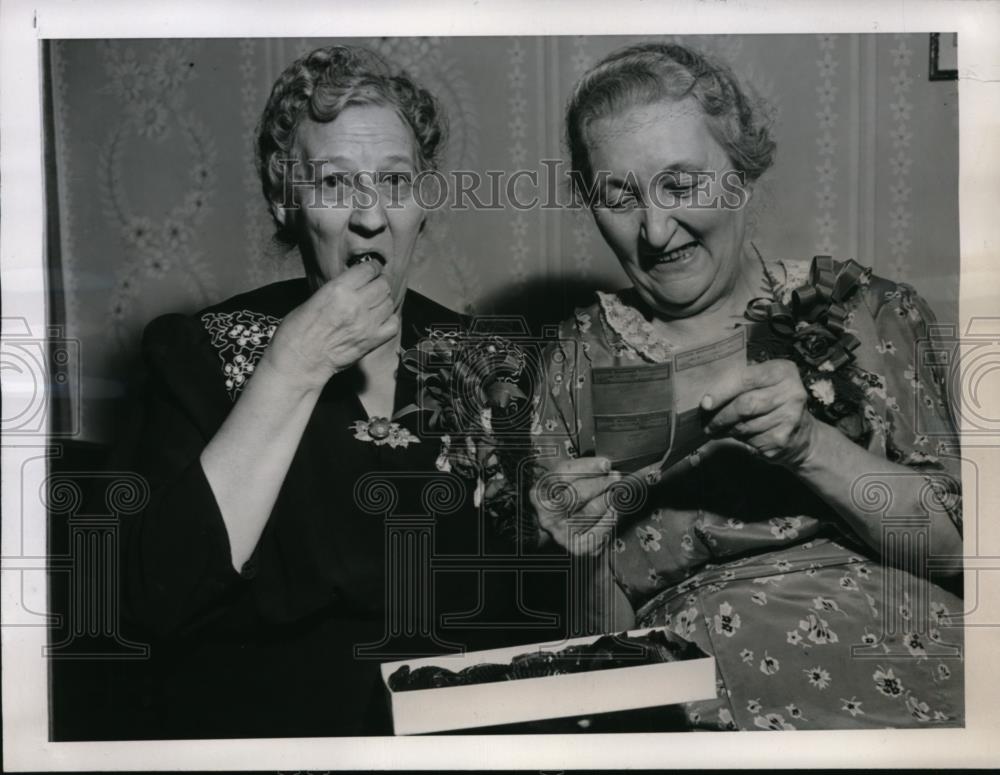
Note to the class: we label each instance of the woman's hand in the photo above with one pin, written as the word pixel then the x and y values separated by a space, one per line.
pixel 573 505
pixel 765 408
pixel 344 320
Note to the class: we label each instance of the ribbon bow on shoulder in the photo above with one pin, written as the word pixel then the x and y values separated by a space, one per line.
pixel 816 319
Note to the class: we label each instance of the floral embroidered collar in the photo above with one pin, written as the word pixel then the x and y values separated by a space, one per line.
pixel 240 338
pixel 622 316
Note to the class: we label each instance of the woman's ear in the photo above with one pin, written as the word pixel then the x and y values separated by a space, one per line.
pixel 287 220
pixel 280 214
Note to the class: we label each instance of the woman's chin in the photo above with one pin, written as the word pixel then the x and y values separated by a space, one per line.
pixel 678 284
pixel 677 299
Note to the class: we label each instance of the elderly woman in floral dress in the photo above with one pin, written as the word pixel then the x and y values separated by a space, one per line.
pixel 765 546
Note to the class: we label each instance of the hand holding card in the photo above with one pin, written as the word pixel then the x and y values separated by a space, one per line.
pixel 650 414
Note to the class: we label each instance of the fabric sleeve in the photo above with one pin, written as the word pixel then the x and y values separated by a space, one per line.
pixel 562 421
pixel 560 429
pixel 176 563
pixel 917 420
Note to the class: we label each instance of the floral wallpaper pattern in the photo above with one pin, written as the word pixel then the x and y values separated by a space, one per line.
pixel 826 143
pixel 152 104
pixel 160 208
pixel 899 142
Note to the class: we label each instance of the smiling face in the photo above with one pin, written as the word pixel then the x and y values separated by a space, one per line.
pixel 682 260
pixel 339 223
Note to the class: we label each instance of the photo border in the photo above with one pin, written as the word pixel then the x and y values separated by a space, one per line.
pixel 22 229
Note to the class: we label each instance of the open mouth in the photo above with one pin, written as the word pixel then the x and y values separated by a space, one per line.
pixel 678 254
pixel 364 257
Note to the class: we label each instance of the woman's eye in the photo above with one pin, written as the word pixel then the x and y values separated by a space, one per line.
pixel 335 180
pixel 621 201
pixel 396 181
pixel 678 185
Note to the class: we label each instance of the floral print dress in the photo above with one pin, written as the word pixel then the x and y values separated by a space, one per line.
pixel 809 630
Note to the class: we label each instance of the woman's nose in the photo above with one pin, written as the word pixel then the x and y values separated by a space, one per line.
pixel 368 213
pixel 657 226
pixel 367 208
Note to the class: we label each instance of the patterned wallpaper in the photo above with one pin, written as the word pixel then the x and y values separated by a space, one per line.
pixel 160 209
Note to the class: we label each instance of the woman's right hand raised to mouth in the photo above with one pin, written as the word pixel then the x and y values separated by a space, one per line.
pixel 574 505
pixel 348 317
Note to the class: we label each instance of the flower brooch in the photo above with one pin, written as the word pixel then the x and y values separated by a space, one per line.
pixel 812 331
pixel 381 430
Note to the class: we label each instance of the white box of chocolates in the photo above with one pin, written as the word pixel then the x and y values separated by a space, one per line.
pixel 542 682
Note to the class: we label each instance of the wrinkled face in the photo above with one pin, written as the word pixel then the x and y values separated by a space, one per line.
pixel 358 205
pixel 682 257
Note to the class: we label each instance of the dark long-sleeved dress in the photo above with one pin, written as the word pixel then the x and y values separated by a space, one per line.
pixel 272 650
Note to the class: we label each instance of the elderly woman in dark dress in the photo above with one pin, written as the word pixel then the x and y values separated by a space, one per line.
pixel 757 546
pixel 257 566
